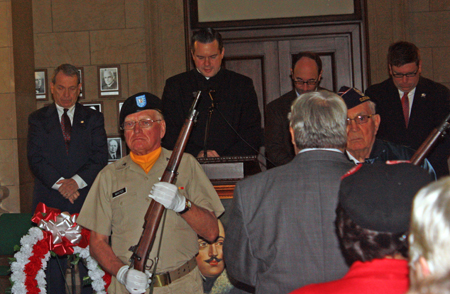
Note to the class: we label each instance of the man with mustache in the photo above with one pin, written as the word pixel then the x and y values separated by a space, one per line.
pixel 211 264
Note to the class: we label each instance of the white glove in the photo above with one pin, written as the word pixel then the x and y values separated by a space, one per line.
pixel 135 281
pixel 168 195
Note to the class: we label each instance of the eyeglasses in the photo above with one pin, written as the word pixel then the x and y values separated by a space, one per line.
pixel 360 119
pixel 143 123
pixel 301 82
pixel 408 74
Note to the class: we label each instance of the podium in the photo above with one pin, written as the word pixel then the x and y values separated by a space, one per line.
pixel 225 172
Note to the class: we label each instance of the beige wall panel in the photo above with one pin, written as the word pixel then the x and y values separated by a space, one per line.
pixel 137 78
pixel 7 150
pixel 25 176
pixel 8 115
pixel 439 5
pixel 165 42
pixel 42 16
pixel 430 29
pixel 386 24
pixel 69 15
pixel 5 24
pixel 441 65
pixel 134 13
pixel 426 54
pixel 12 203
pixel 91 83
pixel 419 5
pixel 9 173
pixel 6 70
pixel 24 105
pixel 117 46
pixel 52 50
pixel 111 124
pixel 125 85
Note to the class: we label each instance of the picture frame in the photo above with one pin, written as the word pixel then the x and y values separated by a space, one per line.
pixel 119 104
pixel 198 14
pixel 82 91
pixel 109 81
pixel 41 84
pixel 94 105
pixel 115 149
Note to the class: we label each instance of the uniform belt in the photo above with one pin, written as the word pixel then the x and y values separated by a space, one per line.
pixel 164 279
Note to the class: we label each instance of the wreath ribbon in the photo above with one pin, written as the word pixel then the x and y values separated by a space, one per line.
pixel 61 229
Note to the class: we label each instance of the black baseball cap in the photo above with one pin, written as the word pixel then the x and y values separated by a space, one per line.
pixel 138 102
pixel 379 196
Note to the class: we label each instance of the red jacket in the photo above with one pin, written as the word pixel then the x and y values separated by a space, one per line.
pixel 387 276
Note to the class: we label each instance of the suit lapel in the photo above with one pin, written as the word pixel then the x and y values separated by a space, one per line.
pixel 78 127
pixel 53 129
pixel 419 106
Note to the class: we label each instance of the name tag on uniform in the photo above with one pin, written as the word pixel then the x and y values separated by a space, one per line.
pixel 119 192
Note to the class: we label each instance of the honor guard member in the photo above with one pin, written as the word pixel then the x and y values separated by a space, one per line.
pixel 117 203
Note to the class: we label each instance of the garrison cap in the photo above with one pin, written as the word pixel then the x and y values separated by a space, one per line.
pixel 352 96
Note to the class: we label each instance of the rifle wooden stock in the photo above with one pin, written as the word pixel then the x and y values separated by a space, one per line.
pixel 430 142
pixel 155 210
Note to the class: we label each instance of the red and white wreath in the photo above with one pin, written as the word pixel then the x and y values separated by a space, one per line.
pixel 59 233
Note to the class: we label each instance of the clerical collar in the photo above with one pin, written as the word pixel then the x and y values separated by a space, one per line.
pixel 207 77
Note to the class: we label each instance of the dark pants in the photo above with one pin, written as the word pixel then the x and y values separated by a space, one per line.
pixel 56 275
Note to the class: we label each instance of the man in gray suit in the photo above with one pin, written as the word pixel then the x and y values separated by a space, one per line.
pixel 281 233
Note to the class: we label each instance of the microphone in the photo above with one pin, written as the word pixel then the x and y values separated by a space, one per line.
pixel 208 123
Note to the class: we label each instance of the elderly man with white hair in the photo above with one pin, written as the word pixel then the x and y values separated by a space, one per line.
pixel 281 234
pixel 429 237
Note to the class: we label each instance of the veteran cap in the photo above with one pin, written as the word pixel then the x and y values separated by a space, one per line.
pixel 352 96
pixel 138 102
pixel 379 196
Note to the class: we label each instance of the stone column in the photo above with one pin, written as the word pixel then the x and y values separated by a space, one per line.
pixel 17 101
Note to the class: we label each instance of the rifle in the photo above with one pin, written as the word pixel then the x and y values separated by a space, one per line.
pixel 155 210
pixel 430 142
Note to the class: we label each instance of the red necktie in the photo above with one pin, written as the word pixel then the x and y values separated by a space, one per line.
pixel 405 106
pixel 66 127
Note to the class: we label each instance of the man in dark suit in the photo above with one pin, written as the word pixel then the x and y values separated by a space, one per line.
pixel 280 234
pixel 66 150
pixel 410 106
pixel 306 72
pixel 228 98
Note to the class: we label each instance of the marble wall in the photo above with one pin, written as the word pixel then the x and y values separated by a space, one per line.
pixel 425 23
pixel 16 100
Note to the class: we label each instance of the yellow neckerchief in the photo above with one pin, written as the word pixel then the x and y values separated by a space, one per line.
pixel 146 161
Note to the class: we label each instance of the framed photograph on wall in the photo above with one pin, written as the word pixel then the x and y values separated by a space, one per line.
pixel 119 107
pixel 81 71
pixel 94 105
pixel 114 148
pixel 109 81
pixel 40 79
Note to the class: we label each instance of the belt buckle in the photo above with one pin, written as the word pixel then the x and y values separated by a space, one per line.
pixel 161 280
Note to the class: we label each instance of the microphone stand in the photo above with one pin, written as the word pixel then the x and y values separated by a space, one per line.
pixel 208 123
